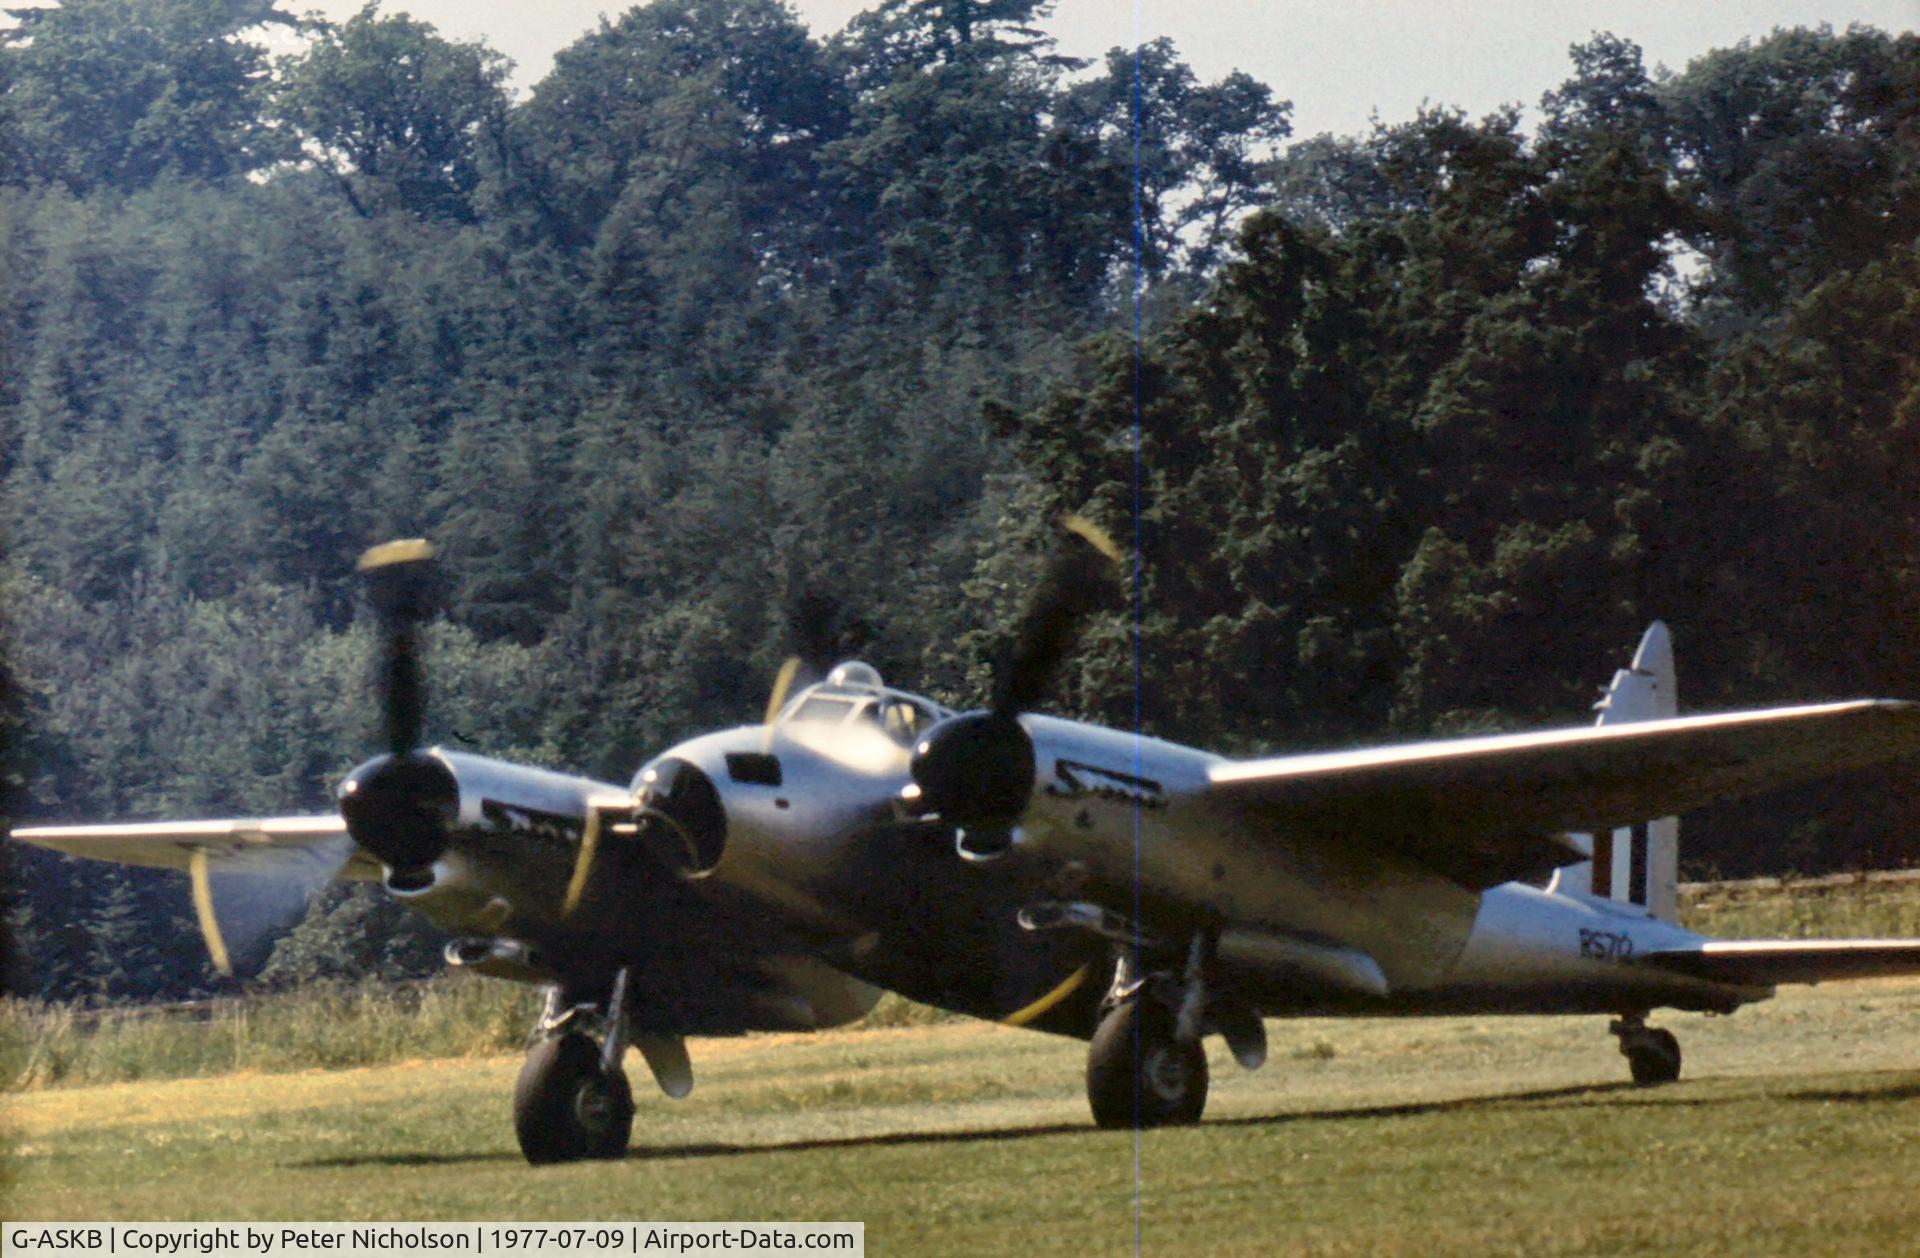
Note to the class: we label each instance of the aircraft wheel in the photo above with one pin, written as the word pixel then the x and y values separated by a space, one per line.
pixel 565 1107
pixel 1653 1058
pixel 1139 1074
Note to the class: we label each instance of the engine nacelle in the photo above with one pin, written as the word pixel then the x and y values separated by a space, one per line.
pixel 459 833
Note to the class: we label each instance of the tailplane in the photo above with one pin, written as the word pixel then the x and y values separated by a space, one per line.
pixel 1637 866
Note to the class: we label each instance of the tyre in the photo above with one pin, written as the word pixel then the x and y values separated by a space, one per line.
pixel 1139 1074
pixel 1654 1058
pixel 565 1107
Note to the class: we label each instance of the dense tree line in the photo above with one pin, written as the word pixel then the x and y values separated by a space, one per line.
pixel 1424 425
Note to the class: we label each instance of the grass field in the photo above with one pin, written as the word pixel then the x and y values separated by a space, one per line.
pixel 1795 1131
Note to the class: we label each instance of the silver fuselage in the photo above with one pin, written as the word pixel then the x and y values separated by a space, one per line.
pixel 836 853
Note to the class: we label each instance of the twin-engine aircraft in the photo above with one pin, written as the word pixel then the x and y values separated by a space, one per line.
pixel 1043 872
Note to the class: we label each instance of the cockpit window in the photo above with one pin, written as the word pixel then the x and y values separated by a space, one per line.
pixel 903 720
pixel 902 717
pixel 821 708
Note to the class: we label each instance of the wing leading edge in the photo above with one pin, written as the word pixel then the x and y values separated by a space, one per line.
pixel 1482 811
pixel 272 846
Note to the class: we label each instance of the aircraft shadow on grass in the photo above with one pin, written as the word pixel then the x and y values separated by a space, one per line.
pixel 1900 1086
pixel 1572 1095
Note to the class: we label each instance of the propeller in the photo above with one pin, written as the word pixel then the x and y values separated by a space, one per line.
pixel 397 576
pixel 240 901
pixel 976 770
pixel 396 806
pixel 599 813
pixel 1078 579
pixel 204 910
pixel 669 795
pixel 399 806
pixel 672 798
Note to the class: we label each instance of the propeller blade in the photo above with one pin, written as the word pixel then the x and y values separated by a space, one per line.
pixel 598 820
pixel 822 637
pixel 258 896
pixel 782 683
pixel 203 909
pixel 977 770
pixel 1084 568
pixel 398 585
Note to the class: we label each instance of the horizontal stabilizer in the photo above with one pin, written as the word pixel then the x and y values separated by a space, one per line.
pixel 1767 962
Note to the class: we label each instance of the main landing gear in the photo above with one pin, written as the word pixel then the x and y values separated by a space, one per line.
pixel 1146 1066
pixel 1140 1073
pixel 572 1100
pixel 1653 1056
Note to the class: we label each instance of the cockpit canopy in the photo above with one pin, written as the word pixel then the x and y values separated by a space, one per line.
pixel 854 695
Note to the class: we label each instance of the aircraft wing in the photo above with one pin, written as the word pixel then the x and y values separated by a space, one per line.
pixel 271 846
pixel 1766 962
pixel 1482 811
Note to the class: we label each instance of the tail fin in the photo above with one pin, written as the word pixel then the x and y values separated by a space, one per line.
pixel 1636 865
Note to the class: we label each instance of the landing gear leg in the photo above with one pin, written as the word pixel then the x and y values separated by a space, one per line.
pixel 572 1100
pixel 1142 1070
pixel 1653 1056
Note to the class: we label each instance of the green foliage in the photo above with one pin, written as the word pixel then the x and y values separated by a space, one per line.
pixel 1802 151
pixel 1427 422
pixel 902 38
pixel 329 1025
pixel 114 94
pixel 1191 151
pixel 397 115
pixel 677 107
pixel 352 933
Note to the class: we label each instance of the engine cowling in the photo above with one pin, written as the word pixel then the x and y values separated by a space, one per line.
pixel 408 811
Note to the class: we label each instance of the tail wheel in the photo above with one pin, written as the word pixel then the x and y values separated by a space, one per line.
pixel 1139 1073
pixel 1653 1058
pixel 565 1107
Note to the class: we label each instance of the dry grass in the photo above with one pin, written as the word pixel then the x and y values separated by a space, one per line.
pixel 1793 1133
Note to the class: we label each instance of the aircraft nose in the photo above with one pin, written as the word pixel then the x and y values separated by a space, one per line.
pixel 682 820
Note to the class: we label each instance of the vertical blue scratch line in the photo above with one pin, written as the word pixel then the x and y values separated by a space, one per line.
pixel 1139 271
